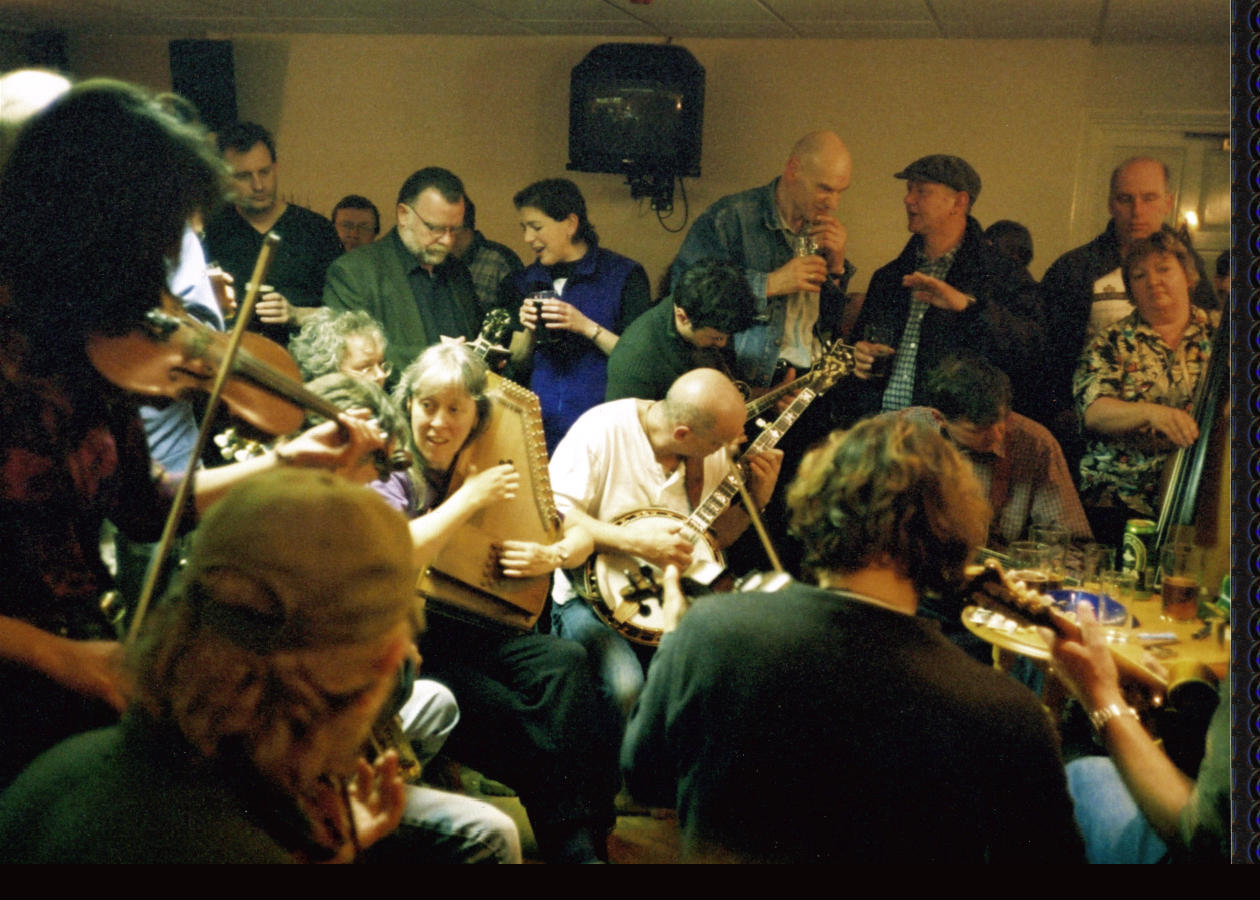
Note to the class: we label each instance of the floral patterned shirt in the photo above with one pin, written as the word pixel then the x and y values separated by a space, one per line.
pixel 1130 361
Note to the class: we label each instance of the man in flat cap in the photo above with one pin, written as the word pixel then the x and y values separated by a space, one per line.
pixel 947 291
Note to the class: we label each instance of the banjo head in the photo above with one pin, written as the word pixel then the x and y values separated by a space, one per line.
pixel 625 591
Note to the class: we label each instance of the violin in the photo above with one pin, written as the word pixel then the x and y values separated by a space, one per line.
pixel 173 355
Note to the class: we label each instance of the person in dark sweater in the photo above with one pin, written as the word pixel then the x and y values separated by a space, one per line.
pixel 572 303
pixel 689 329
pixel 234 237
pixel 929 755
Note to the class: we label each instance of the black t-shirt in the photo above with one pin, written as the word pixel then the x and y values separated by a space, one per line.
pixel 808 726
pixel 308 245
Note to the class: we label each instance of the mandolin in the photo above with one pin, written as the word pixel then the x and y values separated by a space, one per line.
pixel 991 587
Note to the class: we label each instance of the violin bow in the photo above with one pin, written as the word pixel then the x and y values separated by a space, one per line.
pixel 243 314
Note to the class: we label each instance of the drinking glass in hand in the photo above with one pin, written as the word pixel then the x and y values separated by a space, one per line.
pixel 803 244
pixel 881 336
pixel 543 334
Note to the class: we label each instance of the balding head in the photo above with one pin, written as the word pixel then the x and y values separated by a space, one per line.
pixel 1139 199
pixel 704 412
pixel 817 173
pixel 820 148
pixel 1150 164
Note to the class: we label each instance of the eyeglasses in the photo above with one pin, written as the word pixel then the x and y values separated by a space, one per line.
pixel 439 230
pixel 353 227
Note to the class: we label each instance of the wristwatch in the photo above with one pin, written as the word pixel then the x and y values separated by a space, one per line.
pixel 1100 717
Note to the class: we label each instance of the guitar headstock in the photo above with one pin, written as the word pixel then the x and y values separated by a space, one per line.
pixel 991 586
pixel 835 363
pixel 495 328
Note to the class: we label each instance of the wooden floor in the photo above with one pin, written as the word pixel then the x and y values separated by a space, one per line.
pixel 647 838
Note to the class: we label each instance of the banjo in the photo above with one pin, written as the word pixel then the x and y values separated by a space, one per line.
pixel 625 591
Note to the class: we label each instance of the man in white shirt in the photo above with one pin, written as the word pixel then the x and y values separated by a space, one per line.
pixel 633 454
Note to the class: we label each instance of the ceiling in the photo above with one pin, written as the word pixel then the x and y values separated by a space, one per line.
pixel 1100 21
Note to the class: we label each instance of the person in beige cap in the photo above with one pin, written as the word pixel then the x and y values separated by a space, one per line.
pixel 257 681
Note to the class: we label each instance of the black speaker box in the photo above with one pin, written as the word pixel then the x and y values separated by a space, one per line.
pixel 204 72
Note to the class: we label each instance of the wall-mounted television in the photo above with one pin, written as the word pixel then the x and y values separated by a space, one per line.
pixel 636 109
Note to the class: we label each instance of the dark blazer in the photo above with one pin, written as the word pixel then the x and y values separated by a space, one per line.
pixel 373 278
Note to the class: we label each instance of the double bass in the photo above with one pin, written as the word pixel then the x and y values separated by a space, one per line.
pixel 1194 505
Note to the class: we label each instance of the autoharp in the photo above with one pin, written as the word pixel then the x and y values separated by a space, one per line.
pixel 466 580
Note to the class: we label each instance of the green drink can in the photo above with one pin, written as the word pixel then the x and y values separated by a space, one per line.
pixel 1137 553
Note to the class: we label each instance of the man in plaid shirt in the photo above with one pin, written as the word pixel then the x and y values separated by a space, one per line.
pixel 489 262
pixel 1017 461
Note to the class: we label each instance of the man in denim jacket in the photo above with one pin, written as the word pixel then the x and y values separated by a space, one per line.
pixel 757 229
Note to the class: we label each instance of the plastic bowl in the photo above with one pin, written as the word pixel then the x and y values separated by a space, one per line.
pixel 1106 610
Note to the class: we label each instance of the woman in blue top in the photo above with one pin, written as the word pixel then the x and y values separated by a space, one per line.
pixel 596 293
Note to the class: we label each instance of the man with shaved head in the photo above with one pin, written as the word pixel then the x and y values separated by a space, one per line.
pixel 785 237
pixel 635 454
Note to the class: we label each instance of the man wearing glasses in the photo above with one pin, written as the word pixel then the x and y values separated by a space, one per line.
pixel 409 281
pixel 357 221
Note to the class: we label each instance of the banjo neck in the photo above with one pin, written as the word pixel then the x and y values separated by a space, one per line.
pixel 704 515
pixel 754 409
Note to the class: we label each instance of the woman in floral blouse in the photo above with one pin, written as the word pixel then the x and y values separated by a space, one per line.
pixel 1134 385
